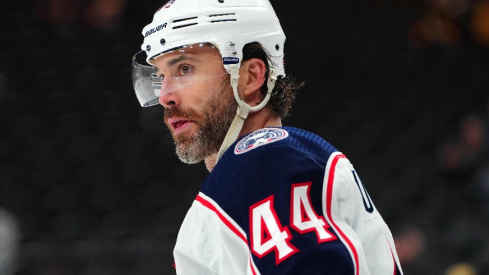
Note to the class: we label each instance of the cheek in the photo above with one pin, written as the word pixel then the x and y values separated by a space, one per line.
pixel 205 93
pixel 192 97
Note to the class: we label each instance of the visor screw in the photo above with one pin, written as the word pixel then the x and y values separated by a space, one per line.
pixel 220 1
pixel 162 41
pixel 148 48
pixel 277 47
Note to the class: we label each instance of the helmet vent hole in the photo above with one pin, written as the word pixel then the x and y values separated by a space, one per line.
pixel 184 19
pixel 223 20
pixel 184 22
pixel 221 14
pixel 277 47
pixel 183 26
pixel 220 1
pixel 223 17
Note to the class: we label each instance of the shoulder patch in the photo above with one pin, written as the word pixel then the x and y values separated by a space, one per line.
pixel 259 138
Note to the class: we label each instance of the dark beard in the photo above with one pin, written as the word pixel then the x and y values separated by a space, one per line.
pixel 213 122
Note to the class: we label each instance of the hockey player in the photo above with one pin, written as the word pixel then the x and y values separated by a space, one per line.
pixel 278 200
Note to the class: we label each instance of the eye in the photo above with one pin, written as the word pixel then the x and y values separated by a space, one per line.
pixel 185 69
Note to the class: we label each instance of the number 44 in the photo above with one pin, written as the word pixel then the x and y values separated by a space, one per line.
pixel 268 234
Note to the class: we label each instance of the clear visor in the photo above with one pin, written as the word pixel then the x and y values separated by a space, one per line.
pixel 175 71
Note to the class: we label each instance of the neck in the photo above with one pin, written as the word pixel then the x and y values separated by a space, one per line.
pixel 210 162
pixel 261 119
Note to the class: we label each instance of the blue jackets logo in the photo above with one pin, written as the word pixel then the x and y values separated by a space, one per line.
pixel 259 138
pixel 167 5
pixel 230 60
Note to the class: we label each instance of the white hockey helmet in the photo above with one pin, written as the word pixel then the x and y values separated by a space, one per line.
pixel 226 24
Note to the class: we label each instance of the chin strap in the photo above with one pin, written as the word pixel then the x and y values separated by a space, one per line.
pixel 243 110
pixel 234 129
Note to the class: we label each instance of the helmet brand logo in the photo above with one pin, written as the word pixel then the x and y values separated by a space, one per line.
pixel 230 60
pixel 155 29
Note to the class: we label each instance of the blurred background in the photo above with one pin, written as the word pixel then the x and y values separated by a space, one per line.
pixel 89 182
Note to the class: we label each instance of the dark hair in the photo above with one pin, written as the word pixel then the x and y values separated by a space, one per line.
pixel 284 92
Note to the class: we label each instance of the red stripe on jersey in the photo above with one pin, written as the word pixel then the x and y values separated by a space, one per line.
pixel 252 268
pixel 209 205
pixel 393 258
pixel 329 198
pixel 233 228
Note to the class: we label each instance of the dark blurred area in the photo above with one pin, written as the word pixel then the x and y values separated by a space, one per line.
pixel 90 184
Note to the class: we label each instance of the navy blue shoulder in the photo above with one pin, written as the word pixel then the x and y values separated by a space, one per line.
pixel 268 155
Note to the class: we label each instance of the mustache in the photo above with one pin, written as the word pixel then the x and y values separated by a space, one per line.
pixel 179 112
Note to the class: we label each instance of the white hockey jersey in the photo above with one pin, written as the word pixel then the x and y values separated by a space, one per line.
pixel 284 201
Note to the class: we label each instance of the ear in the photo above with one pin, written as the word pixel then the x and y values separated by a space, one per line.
pixel 251 78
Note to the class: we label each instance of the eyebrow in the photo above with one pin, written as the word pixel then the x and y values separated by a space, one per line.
pixel 174 61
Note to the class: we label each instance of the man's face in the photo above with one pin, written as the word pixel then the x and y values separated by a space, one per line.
pixel 198 100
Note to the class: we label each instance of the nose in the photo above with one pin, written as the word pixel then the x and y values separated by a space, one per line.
pixel 169 97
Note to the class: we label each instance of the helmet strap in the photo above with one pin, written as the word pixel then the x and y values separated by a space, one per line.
pixel 243 110
pixel 234 129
